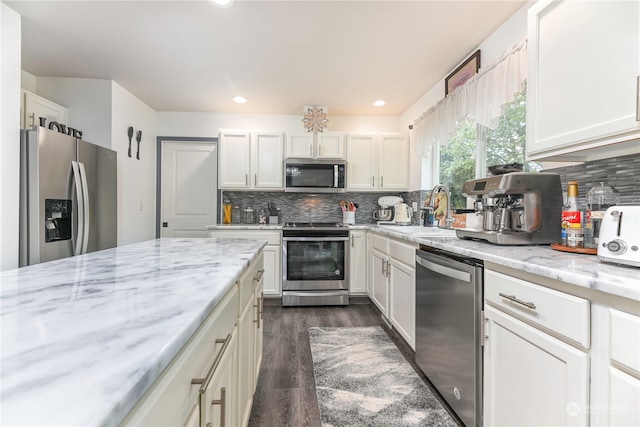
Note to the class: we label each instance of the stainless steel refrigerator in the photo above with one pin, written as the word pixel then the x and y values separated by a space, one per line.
pixel 68 196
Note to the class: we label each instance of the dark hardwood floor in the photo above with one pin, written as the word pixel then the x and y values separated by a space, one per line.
pixel 285 394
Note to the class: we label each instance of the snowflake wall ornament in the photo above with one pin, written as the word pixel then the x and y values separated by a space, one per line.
pixel 315 119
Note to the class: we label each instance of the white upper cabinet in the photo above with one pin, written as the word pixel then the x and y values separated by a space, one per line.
pixel 235 159
pixel 251 160
pixel 377 162
pixel 584 67
pixel 393 165
pixel 330 145
pixel 267 159
pixel 326 145
pixel 34 107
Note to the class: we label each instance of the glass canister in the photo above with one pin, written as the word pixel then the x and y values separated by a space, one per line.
pixel 227 208
pixel 249 215
pixel 599 198
pixel 236 214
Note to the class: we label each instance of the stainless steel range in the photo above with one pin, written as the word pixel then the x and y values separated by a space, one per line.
pixel 315 264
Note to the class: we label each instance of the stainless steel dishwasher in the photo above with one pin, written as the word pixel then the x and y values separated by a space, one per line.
pixel 449 292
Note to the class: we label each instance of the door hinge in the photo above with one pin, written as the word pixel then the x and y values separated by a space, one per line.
pixel 483 326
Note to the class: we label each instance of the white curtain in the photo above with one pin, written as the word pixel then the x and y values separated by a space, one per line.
pixel 482 97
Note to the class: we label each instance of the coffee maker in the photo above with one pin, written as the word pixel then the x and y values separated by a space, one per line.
pixel 518 208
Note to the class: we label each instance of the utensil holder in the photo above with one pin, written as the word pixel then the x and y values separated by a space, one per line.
pixel 349 217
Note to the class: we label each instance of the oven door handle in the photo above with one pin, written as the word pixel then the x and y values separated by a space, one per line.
pixel 335 176
pixel 315 239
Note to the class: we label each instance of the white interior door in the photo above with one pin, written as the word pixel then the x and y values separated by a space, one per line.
pixel 189 188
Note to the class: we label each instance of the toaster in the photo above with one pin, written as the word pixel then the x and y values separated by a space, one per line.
pixel 619 240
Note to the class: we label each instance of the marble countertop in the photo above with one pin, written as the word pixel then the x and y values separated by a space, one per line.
pixel 84 337
pixel 576 269
pixel 232 227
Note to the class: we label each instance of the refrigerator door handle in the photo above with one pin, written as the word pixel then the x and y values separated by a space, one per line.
pixel 85 198
pixel 77 249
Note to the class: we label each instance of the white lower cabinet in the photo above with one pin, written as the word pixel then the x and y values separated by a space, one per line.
pixel 530 377
pixel 211 381
pixel 216 400
pixel 201 367
pixel 392 278
pixel 249 338
pixel 272 254
pixel 379 291
pixel 402 289
pixel 357 262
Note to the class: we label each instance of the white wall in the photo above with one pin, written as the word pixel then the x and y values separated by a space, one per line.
pixel 136 178
pixel 88 101
pixel 507 35
pixel 208 124
pixel 28 82
pixel 10 53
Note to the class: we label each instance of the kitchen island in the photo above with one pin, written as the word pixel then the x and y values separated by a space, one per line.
pixel 84 337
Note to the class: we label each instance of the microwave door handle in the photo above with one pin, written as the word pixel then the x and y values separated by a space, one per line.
pixel 77 186
pixel 335 176
pixel 85 197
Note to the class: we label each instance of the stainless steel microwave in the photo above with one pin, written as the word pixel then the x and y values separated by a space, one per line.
pixel 315 176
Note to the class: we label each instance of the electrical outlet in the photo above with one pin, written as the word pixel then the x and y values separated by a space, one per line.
pixel 414 206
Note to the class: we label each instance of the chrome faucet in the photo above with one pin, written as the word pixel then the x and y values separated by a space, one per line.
pixel 448 219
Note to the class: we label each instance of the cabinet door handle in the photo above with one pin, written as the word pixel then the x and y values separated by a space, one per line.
pixel 258 276
pixel 388 268
pixel 373 181
pixel 258 307
pixel 262 305
pixel 638 99
pixel 223 404
pixel 381 181
pixel 204 382
pixel 513 298
pixel 255 180
pixel 246 179
pixel 311 150
pixel 384 262
pixel 351 237
pixel 319 149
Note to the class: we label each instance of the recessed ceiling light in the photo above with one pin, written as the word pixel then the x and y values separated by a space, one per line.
pixel 239 99
pixel 379 103
pixel 223 3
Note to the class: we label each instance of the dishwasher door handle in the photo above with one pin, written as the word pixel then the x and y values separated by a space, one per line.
pixel 444 270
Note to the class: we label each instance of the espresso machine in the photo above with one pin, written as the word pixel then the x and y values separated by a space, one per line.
pixel 518 208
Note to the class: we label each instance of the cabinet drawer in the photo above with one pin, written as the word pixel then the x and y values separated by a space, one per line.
pixel 561 313
pixel 172 399
pixel 380 243
pixel 272 237
pixel 249 280
pixel 403 252
pixel 625 343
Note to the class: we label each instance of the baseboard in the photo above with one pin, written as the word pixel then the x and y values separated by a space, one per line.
pixel 274 300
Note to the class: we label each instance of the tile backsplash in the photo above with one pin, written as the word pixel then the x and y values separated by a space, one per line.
pixel 310 208
pixel 621 173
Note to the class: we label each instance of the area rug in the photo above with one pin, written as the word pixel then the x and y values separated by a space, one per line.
pixel 362 379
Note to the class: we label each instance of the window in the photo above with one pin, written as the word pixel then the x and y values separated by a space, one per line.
pixel 473 147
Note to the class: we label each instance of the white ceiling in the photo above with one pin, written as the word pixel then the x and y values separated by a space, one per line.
pixel 281 55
